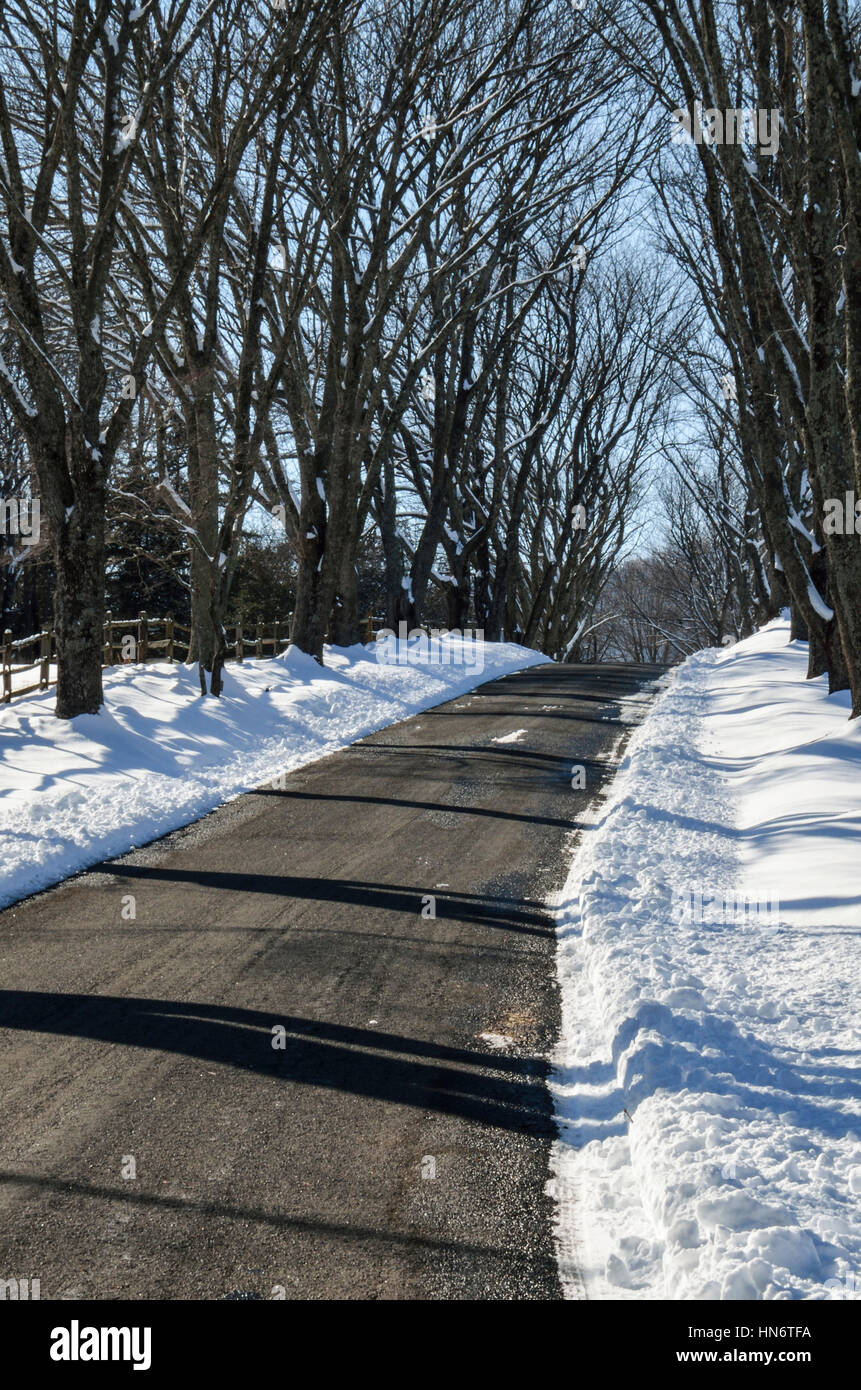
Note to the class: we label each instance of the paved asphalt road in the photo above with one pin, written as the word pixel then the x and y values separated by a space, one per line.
pixel 154 1143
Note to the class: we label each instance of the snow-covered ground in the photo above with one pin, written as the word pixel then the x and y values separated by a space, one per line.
pixel 158 756
pixel 708 1078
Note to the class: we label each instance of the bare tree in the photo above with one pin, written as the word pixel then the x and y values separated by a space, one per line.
pixel 78 87
pixel 781 220
pixel 227 124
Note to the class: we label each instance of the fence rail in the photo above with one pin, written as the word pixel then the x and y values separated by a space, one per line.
pixel 128 641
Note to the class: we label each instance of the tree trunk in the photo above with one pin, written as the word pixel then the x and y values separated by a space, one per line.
pixel 344 625
pixel 397 597
pixel 457 601
pixel 79 608
pixel 797 626
pixel 203 634
pixel 482 594
pixel 203 494
pixel 310 614
pixel 425 554
pixel 313 602
pixel 838 670
pixel 219 655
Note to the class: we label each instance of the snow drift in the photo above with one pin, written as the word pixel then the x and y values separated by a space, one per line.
pixel 707 1080
pixel 158 756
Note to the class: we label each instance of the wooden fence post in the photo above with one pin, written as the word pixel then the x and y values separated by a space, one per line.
pixel 168 632
pixel 259 638
pixel 44 660
pixel 143 637
pixel 108 657
pixel 239 638
pixel 277 640
pixel 7 666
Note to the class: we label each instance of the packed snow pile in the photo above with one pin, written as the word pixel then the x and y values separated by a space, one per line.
pixel 707 1081
pixel 158 755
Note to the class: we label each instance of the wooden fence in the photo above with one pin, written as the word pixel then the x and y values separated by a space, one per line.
pixel 140 639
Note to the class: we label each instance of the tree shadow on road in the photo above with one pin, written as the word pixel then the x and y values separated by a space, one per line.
pixel 477 909
pixel 506 1092
pixel 525 1270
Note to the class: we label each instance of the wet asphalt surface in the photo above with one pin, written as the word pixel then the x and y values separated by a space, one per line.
pixel 314 1064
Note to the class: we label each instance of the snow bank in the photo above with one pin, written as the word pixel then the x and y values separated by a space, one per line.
pixel 707 1079
pixel 158 756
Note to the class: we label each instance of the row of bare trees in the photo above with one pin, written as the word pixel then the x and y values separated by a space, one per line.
pixel 391 269
pixel 356 263
pixel 89 117
pixel 768 232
